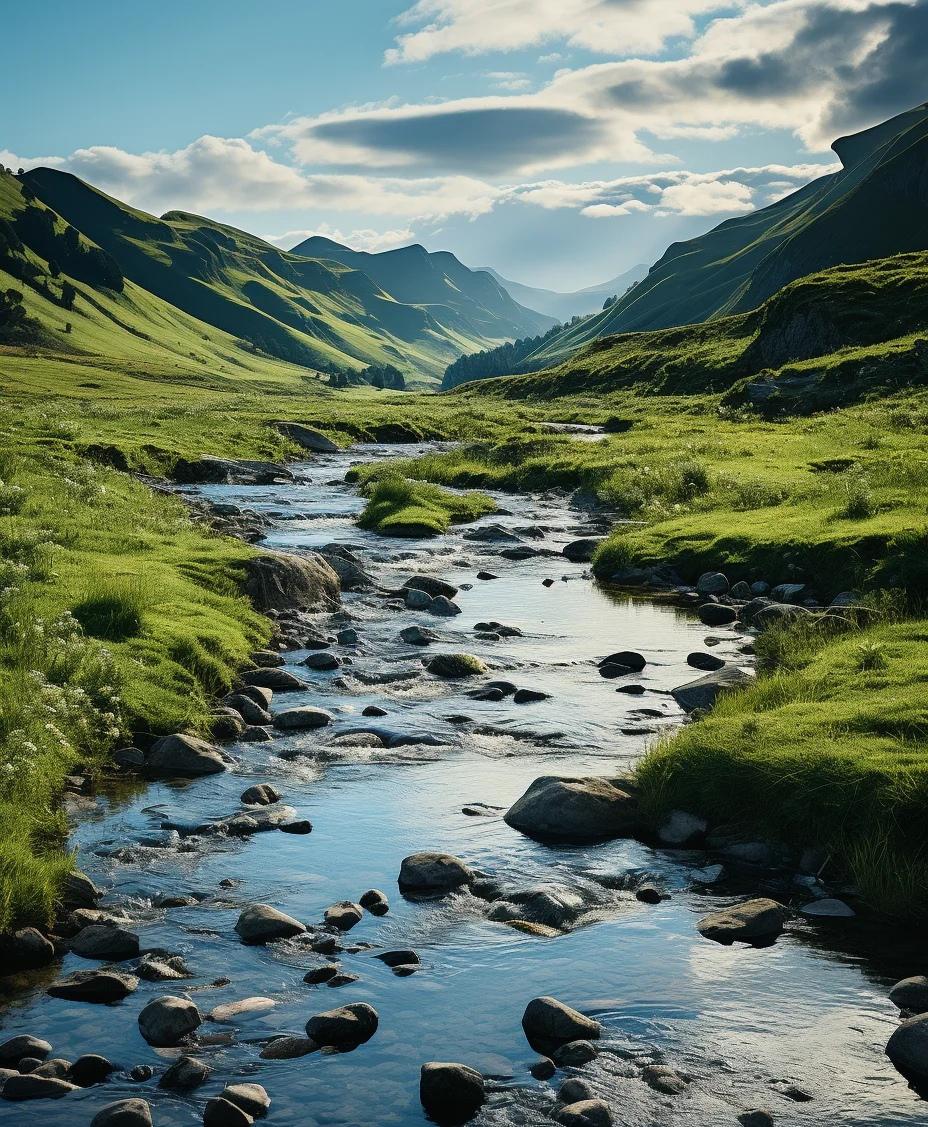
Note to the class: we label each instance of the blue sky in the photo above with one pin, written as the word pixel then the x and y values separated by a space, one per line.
pixel 560 141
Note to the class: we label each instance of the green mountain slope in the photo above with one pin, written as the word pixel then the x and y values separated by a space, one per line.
pixel 454 295
pixel 875 206
pixel 318 314
pixel 825 340
pixel 563 306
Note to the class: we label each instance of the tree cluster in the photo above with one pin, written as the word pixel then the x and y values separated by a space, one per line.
pixel 384 376
pixel 504 360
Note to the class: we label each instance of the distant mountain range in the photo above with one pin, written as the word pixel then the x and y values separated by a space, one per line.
pixel 322 306
pixel 875 206
pixel 564 306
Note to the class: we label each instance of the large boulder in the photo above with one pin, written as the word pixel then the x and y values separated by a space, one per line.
pixel 180 754
pixel 94 986
pixel 433 874
pixel 450 1093
pixel 344 1027
pixel 559 808
pixel 123 1113
pixel 25 1045
pixel 282 581
pixel 758 922
pixel 105 942
pixel 549 1024
pixel 704 691
pixel 276 680
pixel 169 1021
pixel 31 1087
pixel 307 437
pixel 907 1049
pixel 260 923
pixel 348 566
pixel 26 949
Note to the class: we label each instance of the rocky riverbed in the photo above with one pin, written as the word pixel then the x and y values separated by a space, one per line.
pixel 336 899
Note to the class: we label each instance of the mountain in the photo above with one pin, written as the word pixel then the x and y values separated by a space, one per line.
pixel 318 314
pixel 460 299
pixel 564 306
pixel 876 205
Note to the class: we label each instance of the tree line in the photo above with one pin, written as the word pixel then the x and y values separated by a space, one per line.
pixel 504 360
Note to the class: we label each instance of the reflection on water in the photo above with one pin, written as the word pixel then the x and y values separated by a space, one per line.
pixel 744 1025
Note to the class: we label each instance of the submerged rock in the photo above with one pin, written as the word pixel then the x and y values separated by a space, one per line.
pixel 431 585
pixel 185 1074
pixel 418 636
pixel 30 1087
pixel 455 666
pixel 450 1093
pixel 575 809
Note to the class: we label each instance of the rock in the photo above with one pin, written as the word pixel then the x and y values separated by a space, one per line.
pixel 416 599
pixel 741 591
pixel 549 1024
pixel 16 1048
pixel 168 1021
pixel 266 658
pixel 229 1011
pixel 224 471
pixel 307 437
pixel 140 1073
pixel 551 905
pixel 157 968
pixel 398 958
pixel 708 875
pixel 348 636
pixel 249 710
pixel 123 1113
pixel 581 551
pixel 431 585
pixel 352 574
pixel 278 680
pixel 574 1090
pixel 251 1098
pixel 757 921
pixel 102 941
pixel 281 581
pixel 226 724
pixel 507 688
pixel 26 949
pixel 777 613
pixel 631 690
pixel 220 1112
pixel 450 1093
pixel 788 592
pixel 301 826
pixel 260 923
pixel 575 810
pixel 529 696
pixel 907 1049
pixel 288 1048
pixel 712 583
pixel 301 718
pixel 629 660
pixel 320 974
pixel 649 894
pixel 543 1068
pixel 828 908
pixel 455 666
pixel 575 1054
pixel 57 1069
pixel 433 874
pixel 911 994
pixel 586 1113
pixel 704 691
pixel 373 710
pixel 263 794
pixel 185 1074
pixel 486 575
pixel 492 534
pixel 344 1027
pixel 756 1118
pixel 681 829
pixel 715 614
pixel 94 986
pixel 36 1088
pixel 375 902
pixel 184 755
pixel 344 915
pixel 443 607
pixel 254 733
pixel 322 661
pixel 663 1079
pixel 90 1069
pixel 418 636
pixel 708 662
pixel 129 758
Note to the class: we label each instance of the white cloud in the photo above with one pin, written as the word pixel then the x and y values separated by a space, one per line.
pixel 608 27
pixel 709 198
pixel 363 239
pixel 514 80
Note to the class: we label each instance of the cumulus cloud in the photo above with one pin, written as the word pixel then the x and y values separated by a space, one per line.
pixel 815 67
pixel 365 238
pixel 608 27
pixel 509 79
pixel 229 174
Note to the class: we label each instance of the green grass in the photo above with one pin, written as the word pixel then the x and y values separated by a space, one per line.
pixel 399 507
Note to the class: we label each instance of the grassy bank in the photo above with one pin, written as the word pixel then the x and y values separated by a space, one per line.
pixel 399 507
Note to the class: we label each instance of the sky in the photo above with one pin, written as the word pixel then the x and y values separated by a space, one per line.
pixel 559 141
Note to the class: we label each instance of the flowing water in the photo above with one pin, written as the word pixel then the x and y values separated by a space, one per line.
pixel 744 1025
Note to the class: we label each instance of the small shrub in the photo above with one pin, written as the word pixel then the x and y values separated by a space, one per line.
pixel 114 614
pixel 859 502
pixel 870 655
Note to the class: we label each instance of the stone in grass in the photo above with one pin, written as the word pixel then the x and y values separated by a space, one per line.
pixel 455 666
pixel 123 1113
pixel 260 923
pixel 450 1093
pixel 757 922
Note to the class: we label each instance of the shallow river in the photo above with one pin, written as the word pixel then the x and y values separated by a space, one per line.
pixel 744 1024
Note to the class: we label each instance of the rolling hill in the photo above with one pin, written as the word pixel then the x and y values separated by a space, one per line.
pixel 317 314
pixel 563 306
pixel 875 206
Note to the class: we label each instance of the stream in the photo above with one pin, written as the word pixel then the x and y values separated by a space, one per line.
pixel 749 1028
